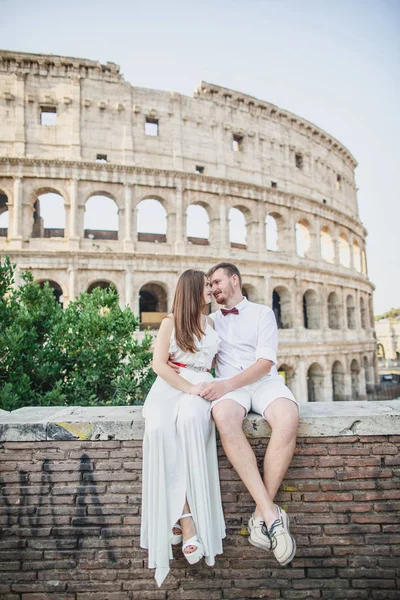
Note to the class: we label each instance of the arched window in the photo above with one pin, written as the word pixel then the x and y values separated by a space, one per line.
pixel 315 383
pixel 271 233
pixel 363 314
pixel 151 221
pixel 48 216
pixel 380 352
pixel 152 305
pixel 101 218
pixel 303 238
pixel 355 380
pixel 357 257
pixel 250 292
pixel 4 222
pixel 333 311
pixel 338 385
pixel 197 225
pixel 344 251
pixel 237 228
pixel 102 284
pixel 311 310
pixel 351 312
pixel 58 293
pixel 288 375
pixel 327 246
pixel 281 306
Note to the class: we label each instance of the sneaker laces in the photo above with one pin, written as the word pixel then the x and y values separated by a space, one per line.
pixel 271 533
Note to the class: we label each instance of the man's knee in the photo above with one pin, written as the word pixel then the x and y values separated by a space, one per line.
pixel 228 416
pixel 283 414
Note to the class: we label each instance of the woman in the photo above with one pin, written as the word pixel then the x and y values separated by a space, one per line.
pixel 181 498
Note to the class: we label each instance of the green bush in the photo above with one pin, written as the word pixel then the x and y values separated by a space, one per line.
pixel 83 355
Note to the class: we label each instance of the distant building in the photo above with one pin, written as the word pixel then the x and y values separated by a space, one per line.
pixel 388 339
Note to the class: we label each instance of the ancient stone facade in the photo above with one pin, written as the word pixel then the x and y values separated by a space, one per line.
pixel 77 128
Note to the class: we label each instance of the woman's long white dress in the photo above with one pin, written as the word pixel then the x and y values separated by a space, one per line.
pixel 180 461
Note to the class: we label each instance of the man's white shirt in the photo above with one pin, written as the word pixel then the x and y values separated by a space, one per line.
pixel 246 337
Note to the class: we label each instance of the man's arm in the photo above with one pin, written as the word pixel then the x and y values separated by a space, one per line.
pixel 253 373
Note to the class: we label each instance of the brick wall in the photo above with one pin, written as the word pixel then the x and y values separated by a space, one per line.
pixel 70 520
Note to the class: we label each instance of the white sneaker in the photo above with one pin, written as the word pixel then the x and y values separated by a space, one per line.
pixel 283 544
pixel 257 537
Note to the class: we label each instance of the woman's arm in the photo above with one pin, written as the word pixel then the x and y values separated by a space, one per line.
pixel 160 359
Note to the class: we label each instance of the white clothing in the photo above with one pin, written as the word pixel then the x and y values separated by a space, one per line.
pixel 180 461
pixel 245 338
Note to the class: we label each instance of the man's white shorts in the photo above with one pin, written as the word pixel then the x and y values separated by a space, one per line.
pixel 259 395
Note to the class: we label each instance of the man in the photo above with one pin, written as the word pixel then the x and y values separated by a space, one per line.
pixel 246 363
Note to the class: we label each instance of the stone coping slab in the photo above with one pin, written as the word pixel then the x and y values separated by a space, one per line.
pixel 48 423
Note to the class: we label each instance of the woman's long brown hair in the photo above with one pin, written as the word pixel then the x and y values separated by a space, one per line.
pixel 188 308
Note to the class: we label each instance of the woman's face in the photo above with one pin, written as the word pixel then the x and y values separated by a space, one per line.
pixel 207 291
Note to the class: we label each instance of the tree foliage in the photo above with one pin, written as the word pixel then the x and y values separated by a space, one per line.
pixel 83 355
pixel 392 314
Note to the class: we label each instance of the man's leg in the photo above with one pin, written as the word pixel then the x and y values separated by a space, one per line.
pixel 228 416
pixel 283 417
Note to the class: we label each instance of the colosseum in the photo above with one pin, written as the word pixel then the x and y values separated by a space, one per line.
pixel 226 175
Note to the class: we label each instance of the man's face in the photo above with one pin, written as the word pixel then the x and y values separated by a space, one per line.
pixel 222 286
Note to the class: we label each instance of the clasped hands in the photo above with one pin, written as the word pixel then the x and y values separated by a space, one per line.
pixel 210 391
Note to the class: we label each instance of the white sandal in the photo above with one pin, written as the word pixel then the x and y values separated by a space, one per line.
pixel 192 557
pixel 176 537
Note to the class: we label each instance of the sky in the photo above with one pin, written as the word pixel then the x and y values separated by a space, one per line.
pixel 335 63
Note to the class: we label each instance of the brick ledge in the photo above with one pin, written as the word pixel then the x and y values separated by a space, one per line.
pixel 344 419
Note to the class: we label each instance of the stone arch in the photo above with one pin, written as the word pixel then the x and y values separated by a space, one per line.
pixel 48 214
pixel 303 238
pixel 152 220
pixel 101 217
pixel 315 383
pixel 153 302
pixel 311 310
pixel 363 314
pixel 344 251
pixel 273 231
pixel 281 305
pixel 355 379
pixel 249 291
pixel 338 382
pixel 4 214
pixel 197 224
pixel 103 284
pixel 238 226
pixel 56 287
pixel 380 351
pixel 351 312
pixel 327 245
pixel 333 311
pixel 357 256
pixel 288 374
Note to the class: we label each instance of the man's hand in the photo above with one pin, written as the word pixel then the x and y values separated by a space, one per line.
pixel 215 390
pixel 171 364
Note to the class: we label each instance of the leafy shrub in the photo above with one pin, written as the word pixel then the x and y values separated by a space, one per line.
pixel 83 355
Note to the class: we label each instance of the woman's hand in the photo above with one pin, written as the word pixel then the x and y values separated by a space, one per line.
pixel 198 388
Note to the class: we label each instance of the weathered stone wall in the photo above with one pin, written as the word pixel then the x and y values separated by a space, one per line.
pixel 99 113
pixel 70 513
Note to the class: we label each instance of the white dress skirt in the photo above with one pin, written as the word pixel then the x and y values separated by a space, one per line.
pixel 180 461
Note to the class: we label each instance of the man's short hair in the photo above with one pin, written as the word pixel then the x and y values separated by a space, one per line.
pixel 229 270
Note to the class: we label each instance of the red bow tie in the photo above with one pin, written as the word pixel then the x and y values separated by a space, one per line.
pixel 232 311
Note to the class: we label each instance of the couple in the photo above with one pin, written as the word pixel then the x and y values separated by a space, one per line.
pixel 181 499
